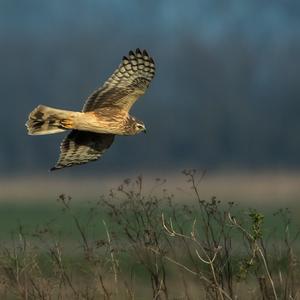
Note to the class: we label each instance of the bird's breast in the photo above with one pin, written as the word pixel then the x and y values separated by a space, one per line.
pixel 102 122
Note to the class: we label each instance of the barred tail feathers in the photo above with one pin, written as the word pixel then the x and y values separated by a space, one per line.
pixel 48 120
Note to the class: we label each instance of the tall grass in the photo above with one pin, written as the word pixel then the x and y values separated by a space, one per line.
pixel 133 245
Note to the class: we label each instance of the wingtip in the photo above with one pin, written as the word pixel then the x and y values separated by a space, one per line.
pixel 145 53
pixel 138 53
pixel 125 60
pixel 55 168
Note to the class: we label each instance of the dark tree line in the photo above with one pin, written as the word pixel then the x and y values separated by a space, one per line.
pixel 226 91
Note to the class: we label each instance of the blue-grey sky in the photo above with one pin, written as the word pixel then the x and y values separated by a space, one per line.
pixel 226 91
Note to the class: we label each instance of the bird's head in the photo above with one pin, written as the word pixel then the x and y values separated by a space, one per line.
pixel 139 126
pixel 135 126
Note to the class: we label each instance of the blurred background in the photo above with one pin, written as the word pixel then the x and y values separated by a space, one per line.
pixel 225 96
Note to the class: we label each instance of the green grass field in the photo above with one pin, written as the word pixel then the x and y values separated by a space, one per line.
pixel 31 216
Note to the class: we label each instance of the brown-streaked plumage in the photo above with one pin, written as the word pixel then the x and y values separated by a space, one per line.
pixel 104 114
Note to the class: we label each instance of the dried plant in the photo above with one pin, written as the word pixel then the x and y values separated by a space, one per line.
pixel 133 245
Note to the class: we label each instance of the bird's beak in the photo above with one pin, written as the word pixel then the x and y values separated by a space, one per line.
pixel 145 131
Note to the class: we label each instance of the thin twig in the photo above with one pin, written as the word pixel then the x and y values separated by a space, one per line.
pixel 111 250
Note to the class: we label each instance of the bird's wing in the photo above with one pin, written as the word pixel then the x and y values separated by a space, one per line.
pixel 126 84
pixel 80 147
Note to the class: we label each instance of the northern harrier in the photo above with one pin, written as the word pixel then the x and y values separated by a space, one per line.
pixel 104 114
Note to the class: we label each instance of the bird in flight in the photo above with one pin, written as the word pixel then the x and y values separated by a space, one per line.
pixel 105 113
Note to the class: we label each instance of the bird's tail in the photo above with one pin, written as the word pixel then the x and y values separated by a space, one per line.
pixel 48 120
